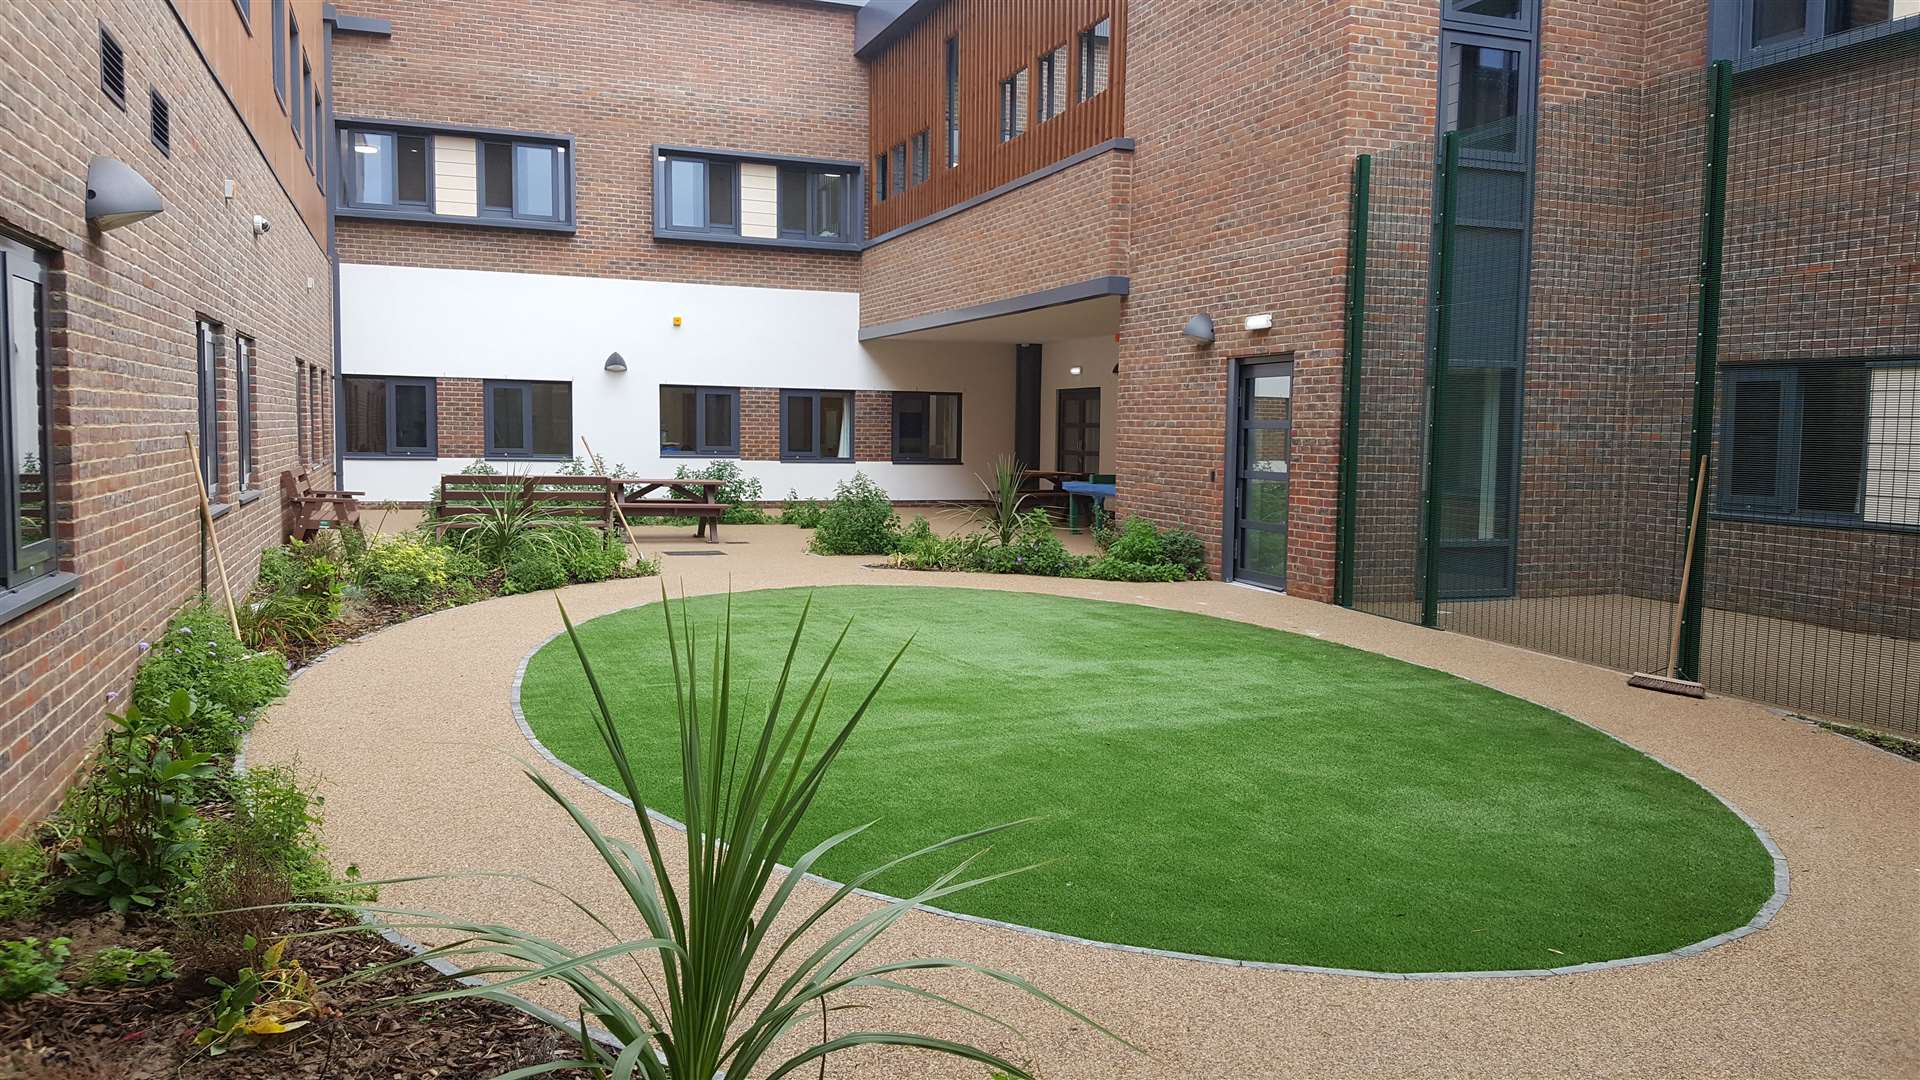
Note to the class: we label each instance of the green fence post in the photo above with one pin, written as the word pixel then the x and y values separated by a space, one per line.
pixel 1449 198
pixel 1713 225
pixel 1350 375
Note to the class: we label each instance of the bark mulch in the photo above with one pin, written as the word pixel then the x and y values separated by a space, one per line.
pixel 146 1033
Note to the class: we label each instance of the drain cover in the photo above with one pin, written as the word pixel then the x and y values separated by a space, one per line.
pixel 693 553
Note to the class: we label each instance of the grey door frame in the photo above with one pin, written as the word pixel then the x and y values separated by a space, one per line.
pixel 1230 517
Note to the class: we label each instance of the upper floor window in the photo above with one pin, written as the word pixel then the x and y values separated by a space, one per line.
pixel 1826 443
pixel 27 493
pixel 880 170
pixel 922 157
pixel 389 417
pixel 471 175
pixel 953 102
pixel 279 24
pixel 1013 105
pixel 737 198
pixel 1051 86
pixel 529 419
pixel 1763 30
pixel 1096 52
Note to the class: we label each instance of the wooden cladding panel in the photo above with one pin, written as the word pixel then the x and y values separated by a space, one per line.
pixel 908 85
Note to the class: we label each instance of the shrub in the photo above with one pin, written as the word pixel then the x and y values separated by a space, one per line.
pixel 23 880
pixel 287 622
pixel 407 570
pixel 533 570
pixel 1108 568
pixel 26 970
pixel 587 554
pixel 229 682
pixel 133 816
pixel 738 490
pixel 117 966
pixel 1137 542
pixel 805 513
pixel 1036 549
pixel 1184 550
pixel 502 524
pixel 859 521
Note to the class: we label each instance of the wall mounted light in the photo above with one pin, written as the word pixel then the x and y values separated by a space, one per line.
pixel 616 362
pixel 1200 329
pixel 1073 371
pixel 116 195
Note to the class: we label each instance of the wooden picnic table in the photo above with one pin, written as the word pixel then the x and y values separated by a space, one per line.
pixel 1056 477
pixel 685 497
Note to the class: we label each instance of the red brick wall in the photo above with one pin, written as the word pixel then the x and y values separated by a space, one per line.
pixel 730 74
pixel 121 311
pixel 1061 230
pixel 459 408
pixel 760 423
pixel 873 425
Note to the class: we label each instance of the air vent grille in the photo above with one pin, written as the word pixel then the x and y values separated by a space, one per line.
pixel 113 69
pixel 162 124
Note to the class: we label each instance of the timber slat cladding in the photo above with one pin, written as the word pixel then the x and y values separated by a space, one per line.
pixel 908 87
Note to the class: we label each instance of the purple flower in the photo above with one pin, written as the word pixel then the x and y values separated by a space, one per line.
pixel 113 695
pixel 144 646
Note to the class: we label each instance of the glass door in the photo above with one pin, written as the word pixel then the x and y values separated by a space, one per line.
pixel 1079 431
pixel 1263 439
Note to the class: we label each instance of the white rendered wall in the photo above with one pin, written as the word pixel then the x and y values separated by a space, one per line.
pixel 1095 357
pixel 411 321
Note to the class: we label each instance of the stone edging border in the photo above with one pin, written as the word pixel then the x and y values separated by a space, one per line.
pixel 1759 921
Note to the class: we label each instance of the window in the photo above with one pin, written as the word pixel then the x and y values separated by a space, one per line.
pixel 280 51
pixel 26 483
pixel 387 169
pixel 245 7
pixel 300 428
pixel 702 420
pixel 899 167
pixel 313 119
pixel 209 407
pixel 1096 49
pixel 702 195
pixel 880 171
pixel 319 155
pixel 1786 28
pixel 317 408
pixel 953 102
pixel 243 411
pixel 522 180
pixel 159 123
pixel 529 419
pixel 1825 443
pixel 816 425
pixel 113 69
pixel 389 417
pixel 1498 12
pixel 1013 105
pixel 813 204
pixel 1052 84
pixel 926 428
pixel 1486 92
pixel 922 157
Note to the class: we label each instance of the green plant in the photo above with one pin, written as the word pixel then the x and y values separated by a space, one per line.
pixel 26 970
pixel 802 512
pixel 1184 550
pixel 586 554
pixel 286 622
pixel 534 569
pixel 733 987
pixel 737 489
pixel 1006 498
pixel 118 965
pixel 23 880
pixel 229 682
pixel 1137 542
pixel 1137 551
pixel 406 569
pixel 134 817
pixel 278 998
pixel 1109 568
pixel 859 521
pixel 506 522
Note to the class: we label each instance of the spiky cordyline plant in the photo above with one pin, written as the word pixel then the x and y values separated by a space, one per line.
pixel 1003 515
pixel 720 959
pixel 507 520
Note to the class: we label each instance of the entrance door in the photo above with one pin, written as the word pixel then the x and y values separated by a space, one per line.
pixel 1079 430
pixel 1263 435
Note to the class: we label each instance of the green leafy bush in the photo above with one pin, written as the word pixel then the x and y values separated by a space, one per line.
pixel 229 682
pixel 406 569
pixel 534 569
pixel 1138 551
pixel 1184 550
pixel 805 513
pixel 133 817
pixel 23 880
pixel 1108 568
pixel 26 969
pixel 587 554
pixel 859 521
pixel 117 966
pixel 1137 542
pixel 737 490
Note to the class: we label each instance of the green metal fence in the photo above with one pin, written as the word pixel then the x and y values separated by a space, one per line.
pixel 1560 329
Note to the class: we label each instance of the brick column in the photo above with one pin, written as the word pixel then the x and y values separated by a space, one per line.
pixel 872 425
pixel 759 423
pixel 460 417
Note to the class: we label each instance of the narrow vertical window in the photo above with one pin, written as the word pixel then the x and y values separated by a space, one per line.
pixel 496 176
pixel 26 487
pixel 953 102
pixel 922 157
pixel 1051 90
pixel 829 206
pixel 297 107
pixel 300 412
pixel 208 406
pixel 280 51
pixel 880 189
pixel 1096 47
pixel 535 192
pixel 306 95
pixel 1013 105
pixel 243 411
pixel 899 167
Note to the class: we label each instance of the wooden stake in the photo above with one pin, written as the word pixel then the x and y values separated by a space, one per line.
pixel 213 537
pixel 612 499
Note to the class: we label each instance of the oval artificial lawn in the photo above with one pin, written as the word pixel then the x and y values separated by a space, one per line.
pixel 1205 786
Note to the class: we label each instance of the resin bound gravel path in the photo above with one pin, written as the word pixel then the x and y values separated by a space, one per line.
pixel 411 737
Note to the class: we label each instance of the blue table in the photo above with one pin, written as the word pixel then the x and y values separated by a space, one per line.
pixel 1099 493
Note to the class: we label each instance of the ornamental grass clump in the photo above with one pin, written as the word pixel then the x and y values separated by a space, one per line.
pixel 713 987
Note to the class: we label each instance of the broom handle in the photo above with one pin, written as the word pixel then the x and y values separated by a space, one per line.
pixel 1686 569
pixel 612 499
pixel 213 537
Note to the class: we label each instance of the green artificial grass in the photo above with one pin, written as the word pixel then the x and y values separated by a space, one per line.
pixel 1204 785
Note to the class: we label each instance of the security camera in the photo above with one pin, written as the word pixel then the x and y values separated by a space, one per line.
pixel 261 226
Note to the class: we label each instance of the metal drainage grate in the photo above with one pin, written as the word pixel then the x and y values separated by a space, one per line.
pixel 693 553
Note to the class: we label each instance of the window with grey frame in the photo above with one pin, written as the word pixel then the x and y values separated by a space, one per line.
pixel 301 432
pixel 243 412
pixel 816 425
pixel 296 107
pixel 208 405
pixel 700 195
pixel 1761 30
pixel 1828 443
pixel 523 180
pixel 387 170
pixel 881 172
pixel 899 167
pixel 922 151
pixel 953 102
pixel 1096 60
pixel 306 95
pixel 279 31
pixel 1050 84
pixel 27 493
pixel 529 420
pixel 389 417
pixel 926 428
pixel 1013 105
pixel 814 203
pixel 700 421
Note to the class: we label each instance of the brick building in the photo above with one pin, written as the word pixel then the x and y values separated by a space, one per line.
pixel 125 336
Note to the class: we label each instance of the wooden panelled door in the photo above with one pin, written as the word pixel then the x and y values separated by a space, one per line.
pixel 1078 448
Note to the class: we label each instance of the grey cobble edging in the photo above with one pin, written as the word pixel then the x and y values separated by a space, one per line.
pixel 1759 921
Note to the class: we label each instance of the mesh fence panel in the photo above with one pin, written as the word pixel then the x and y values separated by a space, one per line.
pixel 1555 388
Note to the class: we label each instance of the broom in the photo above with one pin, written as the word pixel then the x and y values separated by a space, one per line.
pixel 1670 683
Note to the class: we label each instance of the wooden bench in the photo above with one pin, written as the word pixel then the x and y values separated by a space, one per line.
pixel 577 500
pixel 309 510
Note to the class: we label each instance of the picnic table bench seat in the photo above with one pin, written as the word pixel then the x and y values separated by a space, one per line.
pixel 310 509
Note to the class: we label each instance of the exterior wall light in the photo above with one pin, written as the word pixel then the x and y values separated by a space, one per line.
pixel 616 362
pixel 1073 371
pixel 116 195
pixel 1200 329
